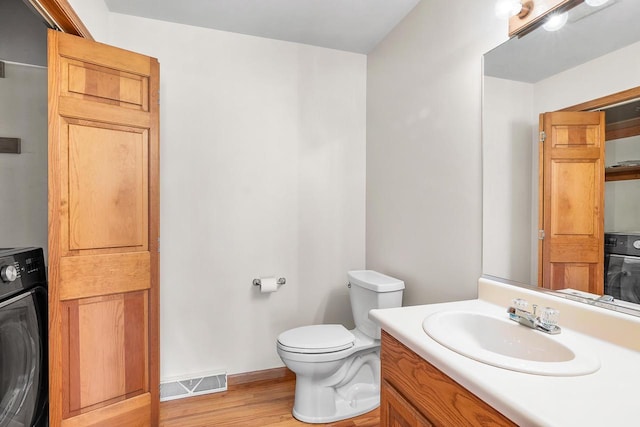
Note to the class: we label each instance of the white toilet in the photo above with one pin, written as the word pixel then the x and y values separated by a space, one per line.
pixel 337 370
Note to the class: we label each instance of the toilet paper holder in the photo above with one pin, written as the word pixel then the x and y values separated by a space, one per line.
pixel 258 282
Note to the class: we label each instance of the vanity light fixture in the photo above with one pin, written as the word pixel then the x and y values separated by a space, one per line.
pixel 505 9
pixel 533 14
pixel 556 21
pixel 595 3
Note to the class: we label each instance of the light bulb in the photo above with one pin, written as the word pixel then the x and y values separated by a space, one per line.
pixel 595 3
pixel 507 8
pixel 556 21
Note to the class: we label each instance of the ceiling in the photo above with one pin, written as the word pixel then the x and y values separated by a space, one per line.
pixel 351 25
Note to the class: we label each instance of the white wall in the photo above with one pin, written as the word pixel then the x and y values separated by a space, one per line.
pixel 508 153
pixel 23 177
pixel 611 73
pixel 262 173
pixel 95 16
pixel 424 192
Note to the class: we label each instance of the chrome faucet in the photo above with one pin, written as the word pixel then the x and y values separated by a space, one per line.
pixel 546 323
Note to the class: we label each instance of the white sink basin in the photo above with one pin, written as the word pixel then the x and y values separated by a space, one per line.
pixel 506 344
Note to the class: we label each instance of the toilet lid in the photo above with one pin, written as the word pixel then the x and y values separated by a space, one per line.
pixel 316 339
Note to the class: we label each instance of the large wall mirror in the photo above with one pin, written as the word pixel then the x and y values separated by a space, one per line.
pixel 596 54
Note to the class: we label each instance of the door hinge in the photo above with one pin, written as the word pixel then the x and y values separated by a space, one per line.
pixel 158 244
pixel 540 234
pixel 543 136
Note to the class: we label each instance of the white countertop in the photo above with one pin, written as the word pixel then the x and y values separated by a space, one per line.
pixel 608 397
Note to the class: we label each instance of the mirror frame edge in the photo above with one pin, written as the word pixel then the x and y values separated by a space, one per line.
pixel 595 303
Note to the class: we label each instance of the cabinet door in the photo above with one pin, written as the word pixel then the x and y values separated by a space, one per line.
pixel 395 411
pixel 572 201
pixel 103 234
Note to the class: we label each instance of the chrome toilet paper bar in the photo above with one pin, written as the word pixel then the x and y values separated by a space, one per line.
pixel 281 281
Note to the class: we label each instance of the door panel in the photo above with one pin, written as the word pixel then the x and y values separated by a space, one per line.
pixel 567 275
pixel 106 85
pixel 108 173
pixel 103 234
pixel 572 200
pixel 105 332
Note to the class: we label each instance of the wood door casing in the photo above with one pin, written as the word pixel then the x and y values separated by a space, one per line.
pixel 103 234
pixel 572 200
pixel 65 17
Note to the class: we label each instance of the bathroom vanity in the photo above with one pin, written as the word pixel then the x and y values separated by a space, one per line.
pixel 426 383
pixel 411 387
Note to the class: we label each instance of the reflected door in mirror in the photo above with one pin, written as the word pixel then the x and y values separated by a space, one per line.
pixel 572 201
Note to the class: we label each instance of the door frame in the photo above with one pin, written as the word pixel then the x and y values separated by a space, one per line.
pixel 606 101
pixel 65 17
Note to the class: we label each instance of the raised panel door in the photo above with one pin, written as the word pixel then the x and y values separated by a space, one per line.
pixel 572 200
pixel 103 234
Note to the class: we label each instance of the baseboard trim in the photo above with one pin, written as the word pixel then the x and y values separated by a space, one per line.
pixel 264 375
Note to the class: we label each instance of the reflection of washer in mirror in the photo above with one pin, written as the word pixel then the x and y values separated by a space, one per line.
pixel 622 266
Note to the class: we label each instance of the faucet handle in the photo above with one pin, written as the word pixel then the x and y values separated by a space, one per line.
pixel 520 304
pixel 549 317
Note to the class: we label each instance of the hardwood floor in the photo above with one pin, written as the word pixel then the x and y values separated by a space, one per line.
pixel 261 403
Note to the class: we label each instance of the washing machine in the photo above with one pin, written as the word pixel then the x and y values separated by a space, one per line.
pixel 622 266
pixel 23 338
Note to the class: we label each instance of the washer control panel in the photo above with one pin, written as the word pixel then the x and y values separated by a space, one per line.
pixel 622 243
pixel 20 269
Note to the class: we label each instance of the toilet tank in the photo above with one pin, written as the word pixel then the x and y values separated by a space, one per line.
pixel 369 289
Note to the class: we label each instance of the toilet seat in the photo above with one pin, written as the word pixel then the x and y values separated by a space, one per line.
pixel 316 339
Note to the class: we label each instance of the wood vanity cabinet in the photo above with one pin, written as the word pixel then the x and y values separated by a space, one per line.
pixel 416 394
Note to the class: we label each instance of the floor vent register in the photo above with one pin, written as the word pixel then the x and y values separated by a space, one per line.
pixel 193 386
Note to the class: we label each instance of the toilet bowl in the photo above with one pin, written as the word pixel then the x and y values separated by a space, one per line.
pixel 338 370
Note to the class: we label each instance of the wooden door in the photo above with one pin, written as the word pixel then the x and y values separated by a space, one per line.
pixel 572 200
pixel 103 234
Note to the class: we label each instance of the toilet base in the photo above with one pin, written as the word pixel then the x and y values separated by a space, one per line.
pixel 343 411
pixel 354 389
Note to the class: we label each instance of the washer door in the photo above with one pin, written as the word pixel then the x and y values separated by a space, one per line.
pixel 22 360
pixel 630 280
pixel 623 278
pixel 613 273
